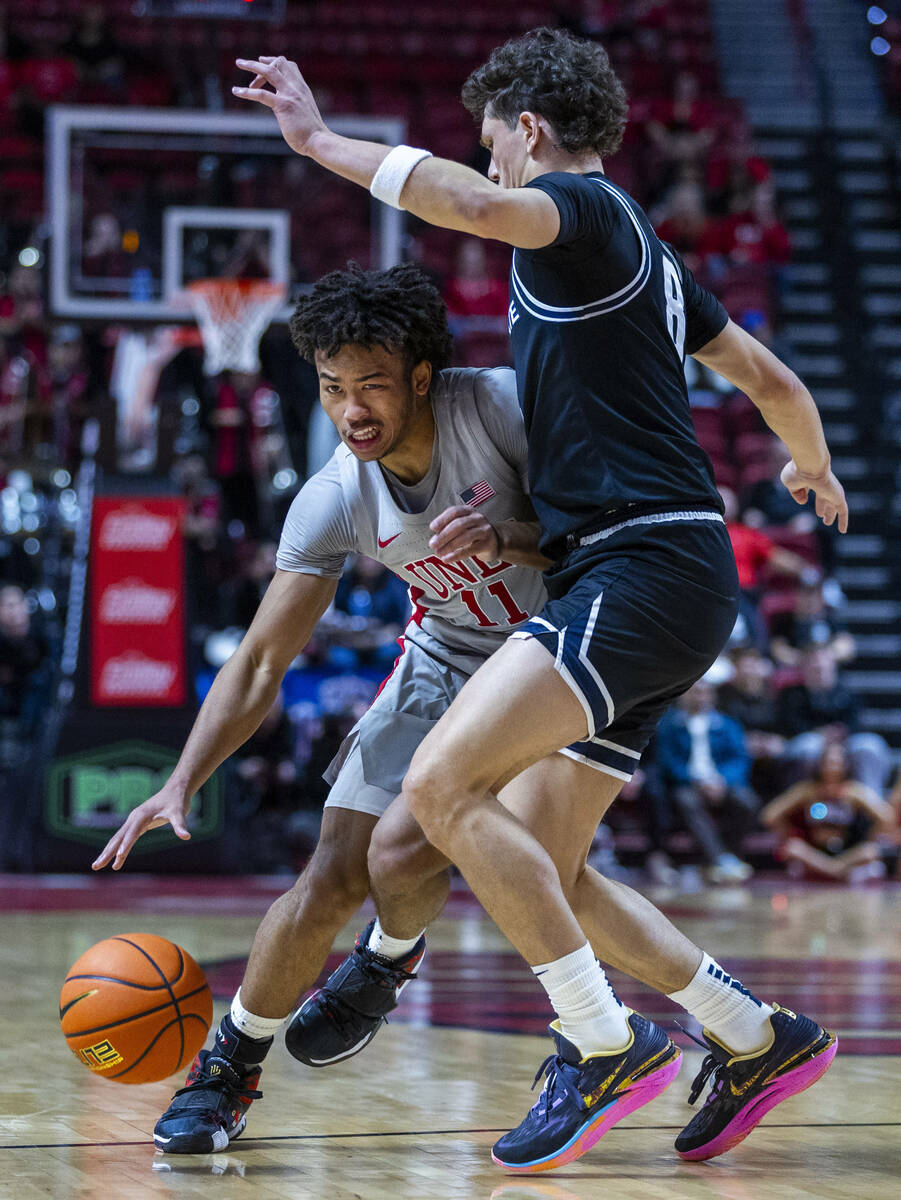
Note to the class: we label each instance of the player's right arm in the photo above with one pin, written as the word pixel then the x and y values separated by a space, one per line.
pixel 463 530
pixel 438 191
pixel 241 695
pixel 788 409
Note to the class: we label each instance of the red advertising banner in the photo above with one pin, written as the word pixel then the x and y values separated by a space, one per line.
pixel 137 612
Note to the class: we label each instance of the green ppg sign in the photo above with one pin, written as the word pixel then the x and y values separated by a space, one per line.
pixel 89 794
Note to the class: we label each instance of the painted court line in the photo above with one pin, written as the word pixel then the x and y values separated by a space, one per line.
pixel 401 1133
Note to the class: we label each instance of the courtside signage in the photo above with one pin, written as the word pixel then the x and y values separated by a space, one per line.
pixel 137 617
pixel 89 794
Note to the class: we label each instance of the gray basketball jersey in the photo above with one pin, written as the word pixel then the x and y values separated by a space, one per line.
pixel 465 609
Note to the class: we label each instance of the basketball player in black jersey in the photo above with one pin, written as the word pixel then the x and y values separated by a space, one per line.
pixel 642 588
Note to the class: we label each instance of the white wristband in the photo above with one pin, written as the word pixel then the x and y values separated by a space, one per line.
pixel 388 181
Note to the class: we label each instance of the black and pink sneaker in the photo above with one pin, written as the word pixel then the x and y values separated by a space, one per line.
pixel 746 1087
pixel 583 1098
pixel 346 1013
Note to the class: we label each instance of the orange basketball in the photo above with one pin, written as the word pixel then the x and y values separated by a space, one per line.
pixel 135 1008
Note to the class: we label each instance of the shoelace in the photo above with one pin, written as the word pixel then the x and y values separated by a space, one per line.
pixel 555 1069
pixel 389 974
pixel 341 1012
pixel 710 1065
pixel 233 1086
pixel 342 1016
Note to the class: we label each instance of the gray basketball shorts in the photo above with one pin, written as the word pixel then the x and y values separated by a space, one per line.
pixel 368 771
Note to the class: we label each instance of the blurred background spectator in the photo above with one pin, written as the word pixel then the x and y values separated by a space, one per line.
pixel 830 824
pixel 682 220
pixel 704 764
pixel 24 662
pixel 270 789
pixel 819 711
pixel 98 57
pixel 473 290
pixel 243 593
pixel 809 622
pixel 680 131
pixel 370 609
pixel 748 697
pixel 476 296
pixel 233 448
pixel 758 558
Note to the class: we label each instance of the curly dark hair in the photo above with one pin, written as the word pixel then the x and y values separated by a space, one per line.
pixel 400 309
pixel 568 80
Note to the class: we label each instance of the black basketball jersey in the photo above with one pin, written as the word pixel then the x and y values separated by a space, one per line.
pixel 600 323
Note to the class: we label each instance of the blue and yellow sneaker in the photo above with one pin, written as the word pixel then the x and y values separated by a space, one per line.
pixel 745 1087
pixel 346 1013
pixel 584 1097
pixel 211 1109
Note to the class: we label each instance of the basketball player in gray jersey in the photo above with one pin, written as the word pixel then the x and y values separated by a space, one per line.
pixel 429 479
pixel 463 610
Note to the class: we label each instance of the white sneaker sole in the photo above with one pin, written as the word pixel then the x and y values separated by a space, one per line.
pixel 221 1139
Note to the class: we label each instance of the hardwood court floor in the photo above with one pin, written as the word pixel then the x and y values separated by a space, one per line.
pixel 414 1116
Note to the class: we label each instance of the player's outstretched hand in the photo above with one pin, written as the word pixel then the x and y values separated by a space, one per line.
pixel 831 504
pixel 291 100
pixel 460 531
pixel 167 807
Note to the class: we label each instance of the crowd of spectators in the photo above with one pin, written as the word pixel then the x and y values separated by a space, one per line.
pixel 771 742
pixel 688 156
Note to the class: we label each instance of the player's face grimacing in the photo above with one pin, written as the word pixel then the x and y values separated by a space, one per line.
pixel 510 162
pixel 379 406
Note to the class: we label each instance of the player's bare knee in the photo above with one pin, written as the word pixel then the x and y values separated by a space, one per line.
pixel 429 797
pixel 389 869
pixel 572 877
pixel 334 879
pixel 399 865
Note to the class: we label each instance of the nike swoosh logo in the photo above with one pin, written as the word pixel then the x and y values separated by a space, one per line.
pixel 388 541
pixel 749 1083
pixel 72 1003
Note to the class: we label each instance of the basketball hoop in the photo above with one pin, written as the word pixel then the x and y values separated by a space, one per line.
pixel 232 315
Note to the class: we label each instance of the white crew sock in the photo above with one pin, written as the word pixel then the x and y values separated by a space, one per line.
pixel 590 1015
pixel 390 947
pixel 726 1009
pixel 253 1026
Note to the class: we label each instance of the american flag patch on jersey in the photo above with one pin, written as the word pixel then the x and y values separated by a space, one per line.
pixel 478 493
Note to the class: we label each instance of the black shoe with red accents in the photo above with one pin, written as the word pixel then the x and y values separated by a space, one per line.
pixel 211 1109
pixel 344 1016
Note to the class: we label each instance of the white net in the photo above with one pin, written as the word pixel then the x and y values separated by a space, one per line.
pixel 232 315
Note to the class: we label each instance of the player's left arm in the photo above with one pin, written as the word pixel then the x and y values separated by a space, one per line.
pixel 438 191
pixel 461 531
pixel 788 409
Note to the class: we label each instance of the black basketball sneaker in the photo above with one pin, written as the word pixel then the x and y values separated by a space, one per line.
pixel 584 1097
pixel 746 1086
pixel 211 1109
pixel 346 1013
